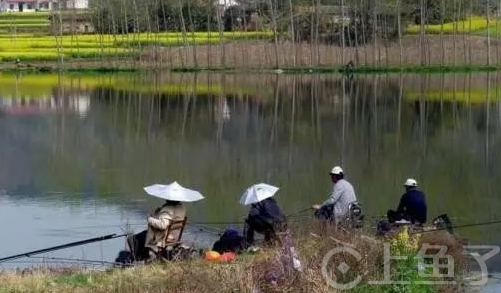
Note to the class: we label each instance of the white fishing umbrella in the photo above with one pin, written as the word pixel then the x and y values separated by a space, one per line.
pixel 174 192
pixel 257 193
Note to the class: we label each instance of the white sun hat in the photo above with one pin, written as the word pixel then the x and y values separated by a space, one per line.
pixel 336 170
pixel 257 193
pixel 411 182
pixel 173 192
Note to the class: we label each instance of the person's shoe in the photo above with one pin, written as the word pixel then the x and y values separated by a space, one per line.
pixel 253 249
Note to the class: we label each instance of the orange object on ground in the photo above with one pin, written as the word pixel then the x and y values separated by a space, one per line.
pixel 227 257
pixel 212 255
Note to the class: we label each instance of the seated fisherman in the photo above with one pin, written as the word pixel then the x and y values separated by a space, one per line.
pixel 158 223
pixel 265 217
pixel 412 205
pixel 337 206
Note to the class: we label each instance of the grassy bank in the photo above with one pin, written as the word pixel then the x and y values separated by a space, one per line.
pixel 355 70
pixel 268 271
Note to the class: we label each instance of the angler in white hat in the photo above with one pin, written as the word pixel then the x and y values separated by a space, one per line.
pixel 412 205
pixel 342 196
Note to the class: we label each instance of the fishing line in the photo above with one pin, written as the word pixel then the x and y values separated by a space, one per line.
pixel 298 213
pixel 460 227
pixel 198 223
pixel 88 261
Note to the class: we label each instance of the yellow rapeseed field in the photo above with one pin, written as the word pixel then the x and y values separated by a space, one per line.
pixel 30 47
pixel 472 24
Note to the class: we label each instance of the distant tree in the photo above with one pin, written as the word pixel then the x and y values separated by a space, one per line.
pixel 121 16
pixel 435 13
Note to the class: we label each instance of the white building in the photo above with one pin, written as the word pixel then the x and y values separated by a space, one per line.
pixel 41 5
pixel 75 4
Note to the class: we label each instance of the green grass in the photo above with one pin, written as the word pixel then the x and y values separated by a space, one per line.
pixel 72 280
pixel 25 15
pixel 23 25
pixel 24 21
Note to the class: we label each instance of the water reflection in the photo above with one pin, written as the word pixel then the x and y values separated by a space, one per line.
pixel 39 106
pixel 220 133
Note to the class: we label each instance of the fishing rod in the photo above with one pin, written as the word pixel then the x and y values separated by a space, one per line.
pixel 77 260
pixel 298 213
pixel 63 246
pixel 460 227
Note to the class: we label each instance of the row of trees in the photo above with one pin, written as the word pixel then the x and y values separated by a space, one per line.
pixel 370 32
pixel 120 16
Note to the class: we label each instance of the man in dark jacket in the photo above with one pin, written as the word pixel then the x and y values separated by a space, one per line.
pixel 412 205
pixel 265 217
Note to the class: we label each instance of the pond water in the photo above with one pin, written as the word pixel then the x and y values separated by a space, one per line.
pixel 76 150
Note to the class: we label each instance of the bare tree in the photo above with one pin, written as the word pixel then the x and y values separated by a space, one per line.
pixel 488 13
pixel 399 29
pixel 293 33
pixel 273 16
pixel 375 60
pixel 422 33
pixel 221 36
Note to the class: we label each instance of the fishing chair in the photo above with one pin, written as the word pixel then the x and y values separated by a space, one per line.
pixel 355 216
pixel 169 251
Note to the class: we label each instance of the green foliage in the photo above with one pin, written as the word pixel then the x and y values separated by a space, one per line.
pixel 121 16
pixel 77 279
pixel 436 11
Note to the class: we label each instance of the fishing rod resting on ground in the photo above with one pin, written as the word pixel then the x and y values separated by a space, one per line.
pixel 460 227
pixel 63 246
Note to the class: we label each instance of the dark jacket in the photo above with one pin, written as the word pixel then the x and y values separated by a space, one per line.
pixel 413 206
pixel 268 212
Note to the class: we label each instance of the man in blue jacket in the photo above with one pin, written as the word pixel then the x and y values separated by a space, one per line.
pixel 265 217
pixel 412 205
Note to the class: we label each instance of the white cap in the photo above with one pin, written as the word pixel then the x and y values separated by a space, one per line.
pixel 410 182
pixel 336 170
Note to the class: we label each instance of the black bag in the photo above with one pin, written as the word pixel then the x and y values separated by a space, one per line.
pixel 325 213
pixel 230 241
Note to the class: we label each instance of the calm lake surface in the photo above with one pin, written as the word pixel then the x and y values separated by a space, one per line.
pixel 76 150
